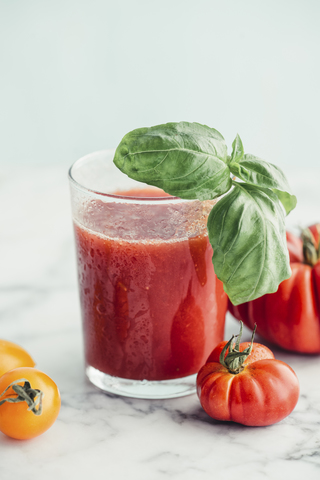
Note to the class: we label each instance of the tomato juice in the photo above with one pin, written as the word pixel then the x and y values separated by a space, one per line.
pixel 152 306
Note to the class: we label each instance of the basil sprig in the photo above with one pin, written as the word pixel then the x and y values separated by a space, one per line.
pixel 246 227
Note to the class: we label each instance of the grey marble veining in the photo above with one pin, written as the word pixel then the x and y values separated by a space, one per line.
pixel 105 436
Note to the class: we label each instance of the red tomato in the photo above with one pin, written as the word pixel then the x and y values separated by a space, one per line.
pixel 259 392
pixel 290 317
pixel 295 247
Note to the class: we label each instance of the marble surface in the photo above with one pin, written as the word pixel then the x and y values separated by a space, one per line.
pixel 105 436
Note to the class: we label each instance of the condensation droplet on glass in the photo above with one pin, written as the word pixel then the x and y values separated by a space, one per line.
pixel 101 308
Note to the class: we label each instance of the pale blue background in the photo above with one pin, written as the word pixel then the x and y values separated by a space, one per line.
pixel 76 75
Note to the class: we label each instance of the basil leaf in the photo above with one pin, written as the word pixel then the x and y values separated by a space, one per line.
pixel 187 160
pixel 246 229
pixel 237 150
pixel 253 170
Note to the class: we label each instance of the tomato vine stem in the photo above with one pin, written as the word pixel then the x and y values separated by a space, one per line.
pixel 24 393
pixel 311 251
pixel 234 359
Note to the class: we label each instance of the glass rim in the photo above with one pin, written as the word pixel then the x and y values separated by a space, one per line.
pixel 121 198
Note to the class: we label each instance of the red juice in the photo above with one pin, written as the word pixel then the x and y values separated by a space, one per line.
pixel 152 308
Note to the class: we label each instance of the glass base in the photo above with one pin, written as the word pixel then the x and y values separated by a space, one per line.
pixel 147 389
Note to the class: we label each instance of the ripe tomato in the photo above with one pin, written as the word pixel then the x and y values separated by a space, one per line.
pixel 13 356
pixel 290 317
pixel 256 392
pixel 30 418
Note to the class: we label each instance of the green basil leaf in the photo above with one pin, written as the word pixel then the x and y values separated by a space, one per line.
pixel 237 150
pixel 247 231
pixel 253 170
pixel 187 160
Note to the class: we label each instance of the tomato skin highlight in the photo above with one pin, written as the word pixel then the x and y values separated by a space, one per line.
pixel 13 356
pixel 15 419
pixel 263 393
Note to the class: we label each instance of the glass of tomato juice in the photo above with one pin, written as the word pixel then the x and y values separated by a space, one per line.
pixel 152 307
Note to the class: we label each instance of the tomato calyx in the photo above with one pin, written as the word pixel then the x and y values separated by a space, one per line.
pixel 311 248
pixel 235 359
pixel 24 393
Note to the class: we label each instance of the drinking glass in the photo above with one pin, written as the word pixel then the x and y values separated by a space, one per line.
pixel 152 306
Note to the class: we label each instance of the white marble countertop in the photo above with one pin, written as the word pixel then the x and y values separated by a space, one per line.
pixel 105 436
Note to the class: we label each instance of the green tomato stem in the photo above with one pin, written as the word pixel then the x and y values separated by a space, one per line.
pixel 311 252
pixel 24 393
pixel 235 359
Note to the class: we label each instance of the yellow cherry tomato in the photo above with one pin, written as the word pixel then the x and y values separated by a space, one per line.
pixel 13 356
pixel 29 403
